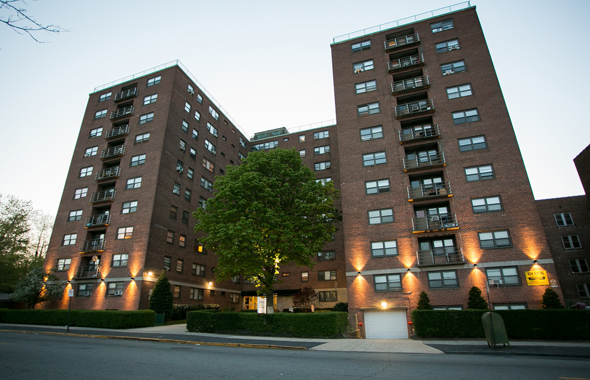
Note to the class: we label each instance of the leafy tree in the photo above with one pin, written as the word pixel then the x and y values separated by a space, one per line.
pixel 18 19
pixel 476 301
pixel 162 300
pixel 37 286
pixel 551 300
pixel 305 298
pixel 267 212
pixel 424 302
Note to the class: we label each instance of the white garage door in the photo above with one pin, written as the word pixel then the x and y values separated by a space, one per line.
pixel 391 324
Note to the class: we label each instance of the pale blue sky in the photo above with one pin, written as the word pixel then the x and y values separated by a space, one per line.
pixel 269 64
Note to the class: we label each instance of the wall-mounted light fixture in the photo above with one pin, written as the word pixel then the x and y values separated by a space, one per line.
pixel 475 265
pixel 359 272
pixel 409 270
pixel 150 274
pixel 384 304
pixel 132 278
pixel 534 261
pixel 102 280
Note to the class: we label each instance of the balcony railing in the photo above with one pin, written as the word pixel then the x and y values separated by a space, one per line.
pixel 409 84
pixel 98 220
pixel 94 245
pixel 442 190
pixel 410 39
pixel 122 130
pixel 126 94
pixel 103 196
pixel 109 173
pixel 441 222
pixel 424 162
pixel 440 256
pixel 408 109
pixel 427 132
pixel 113 151
pixel 122 112
pixel 402 63
pixel 92 271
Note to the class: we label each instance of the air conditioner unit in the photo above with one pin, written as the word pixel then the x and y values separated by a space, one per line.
pixel 448 72
pixel 200 297
pixel 118 292
pixel 191 91
pixel 87 294
pixel 453 47
pixel 434 218
pixel 497 281
pixel 179 170
pixel 175 191
pixel 358 71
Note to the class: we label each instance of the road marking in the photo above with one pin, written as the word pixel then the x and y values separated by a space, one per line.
pixel 574 378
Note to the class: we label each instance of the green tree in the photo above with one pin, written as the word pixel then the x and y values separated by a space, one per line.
pixel 267 212
pixel 161 300
pixel 305 298
pixel 424 302
pixel 37 286
pixel 476 300
pixel 551 300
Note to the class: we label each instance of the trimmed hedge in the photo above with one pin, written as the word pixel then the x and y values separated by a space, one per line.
pixel 82 318
pixel 520 324
pixel 323 325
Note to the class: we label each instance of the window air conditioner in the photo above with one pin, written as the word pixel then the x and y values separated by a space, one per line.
pixel 496 281
pixel 190 91
pixel 179 170
pixel 200 297
pixel 453 47
pixel 448 72
pixel 118 292
pixel 358 71
pixel 87 294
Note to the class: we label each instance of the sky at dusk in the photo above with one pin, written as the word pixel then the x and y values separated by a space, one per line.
pixel 268 63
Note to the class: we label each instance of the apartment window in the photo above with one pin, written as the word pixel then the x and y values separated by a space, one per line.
pixel 197 115
pixel 150 99
pixel 198 270
pixel 384 248
pixel 69 239
pixel 321 135
pixel 495 239
pixel 388 282
pixel 443 279
pixel 81 193
pixel 371 133
pixel 377 187
pixel 324 180
pixel 187 195
pixel 144 137
pixel 325 256
pixel 365 45
pixel 195 134
pixel 148 117
pixel 173 212
pixel 75 216
pixel 199 98
pixel 153 81
pixel 120 260
pixel 167 262
pixel 202 202
pixel 176 292
pixel 372 159
pixel 443 47
pixel 206 184
pixel 170 237
pixel 184 126
pixel 200 247
pixel 176 188
pixel 85 290
pixel 368 109
pixel 89 152
pixel 96 132
pixel 190 173
pixel 302 153
pixel 571 242
pixel 467 116
pixel 208 165
pixel 129 207
pixel 210 147
pixel 321 150
pixel 286 274
pixel 327 275
pixel 381 216
pixel 213 113
pixel 193 153
pixel 318 166
pixel 179 265
pixel 579 266
pixel 105 97
pixel 304 276
pixel 442 25
pixel 212 129
pixel 564 219
pixel 100 114
pixel 489 204
pixel 263 146
pixel 584 290
pixel 138 160
pixel 196 294
pixel 85 172
pixel 179 166
pixel 63 264
pixel 124 233
pixel 453 67
pixel 185 215
pixel 517 306
pixel 191 90
pixel 369 86
pixel 479 173
pixel 301 138
pixel 472 143
pixel 362 66
pixel 328 296
pixel 115 288
pixel 187 107
pixel 459 91
pixel 507 276
pixel 242 142
pixel 447 308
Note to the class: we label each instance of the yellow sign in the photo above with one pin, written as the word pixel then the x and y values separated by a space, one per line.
pixel 536 277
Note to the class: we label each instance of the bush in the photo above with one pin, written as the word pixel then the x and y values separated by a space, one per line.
pixel 551 300
pixel 162 300
pixel 81 318
pixel 475 300
pixel 341 306
pixel 424 302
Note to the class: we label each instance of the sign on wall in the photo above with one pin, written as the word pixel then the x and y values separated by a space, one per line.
pixel 536 277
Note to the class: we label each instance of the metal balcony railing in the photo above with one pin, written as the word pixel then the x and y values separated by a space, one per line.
pixel 423 162
pixel 440 256
pixel 122 130
pixel 414 134
pixel 121 112
pixel 439 222
pixel 94 245
pixel 98 220
pixel 411 60
pixel 409 84
pixel 92 271
pixel 126 94
pixel 414 108
pixel 410 39
pixel 109 173
pixel 430 191
pixel 113 151
pixel 103 196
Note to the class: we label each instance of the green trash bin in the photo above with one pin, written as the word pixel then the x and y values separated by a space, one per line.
pixel 493 325
pixel 160 317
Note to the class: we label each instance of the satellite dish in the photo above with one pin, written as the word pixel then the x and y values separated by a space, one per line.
pixel 94 258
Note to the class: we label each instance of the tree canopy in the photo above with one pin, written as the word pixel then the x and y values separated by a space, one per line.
pixel 18 19
pixel 161 300
pixel 38 286
pixel 267 212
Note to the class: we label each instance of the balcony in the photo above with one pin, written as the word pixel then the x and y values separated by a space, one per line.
pixel 101 220
pixel 409 84
pixel 126 94
pixel 110 173
pixel 424 133
pixel 112 152
pixel 439 190
pixel 433 223
pixel 396 43
pixel 121 112
pixel 122 130
pixel 94 245
pixel 92 271
pixel 440 256
pixel 424 162
pixel 103 196
pixel 406 62
pixel 414 108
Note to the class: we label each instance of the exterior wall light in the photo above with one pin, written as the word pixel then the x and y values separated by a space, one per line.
pixel 384 304
pixel 534 261
pixel 359 272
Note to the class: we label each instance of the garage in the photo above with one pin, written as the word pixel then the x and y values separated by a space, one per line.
pixel 386 324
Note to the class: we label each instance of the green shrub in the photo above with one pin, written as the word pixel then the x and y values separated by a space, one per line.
pixel 424 302
pixel 475 300
pixel 551 300
pixel 81 318
pixel 341 306
pixel 162 300
pixel 448 323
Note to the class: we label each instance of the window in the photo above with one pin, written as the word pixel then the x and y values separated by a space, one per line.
pixel 518 306
pixel 69 239
pixel 196 294
pixel 170 237
pixel 200 247
pixel 302 153
pixel 150 99
pixel 564 219
pixel 129 207
pixel 100 114
pixel 89 152
pixel 264 146
pixel 190 89
pixel 235 297
pixel 444 279
pixel 368 109
pixel 584 290
pixel 120 260
pixel 179 166
pixel 301 138
pixel 447 46
pixel 153 81
pixel 381 216
pixel 198 270
pixel 167 261
pixel 321 135
pixel 75 215
pixel 185 216
pixel 176 188
pixel 321 165
pixel 187 195
pixel 579 266
pixel 184 126
pixel 329 296
pixel 459 91
pixel 195 134
pixel 115 288
pixel 124 233
pixel 325 256
pixel 138 160
pixel 507 276
pixel 388 282
pixel 199 98
pixel 242 142
pixel 286 274
pixel 212 129
pixel 489 204
pixel 369 86
pixel 452 68
pixel 95 133
pixel 176 292
pixel 467 116
pixel 362 66
pixel 143 119
pixel 571 242
pixel 365 45
pixel 327 275
pixel 208 165
pixel 447 307
pixel 384 248
pixel 193 153
pixel 213 113
pixel 377 187
pixel 210 147
pixel 496 239
pixel 85 289
pixel 173 212
pixel 206 184
pixel 202 202
pixel 81 193
pixel 442 25
pixel 479 173
pixel 187 107
pixel 321 150
pixel 63 264
pixel 105 97
pixel 371 133
pixel 241 157
pixel 304 276
pixel 190 173
pixel 472 143
pixel 372 159
pixel 197 115
pixel 179 265
pixel 85 172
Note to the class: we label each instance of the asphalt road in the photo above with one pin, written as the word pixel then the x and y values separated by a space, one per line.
pixel 31 356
